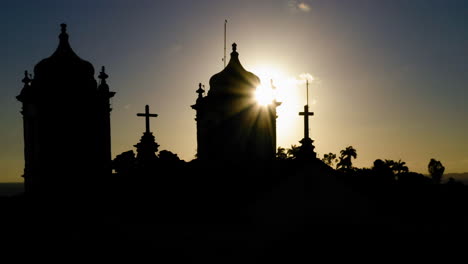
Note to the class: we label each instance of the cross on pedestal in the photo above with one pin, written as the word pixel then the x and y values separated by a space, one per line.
pixel 147 115
pixel 306 114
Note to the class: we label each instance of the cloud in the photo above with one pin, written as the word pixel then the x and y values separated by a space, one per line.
pixel 299 6
pixel 306 76
pixel 304 6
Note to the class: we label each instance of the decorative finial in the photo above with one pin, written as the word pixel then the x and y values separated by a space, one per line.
pixel 63 27
pixel 102 75
pixel 200 90
pixel 26 80
pixel 63 35
pixel 234 47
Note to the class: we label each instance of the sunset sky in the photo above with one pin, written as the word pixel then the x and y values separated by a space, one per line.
pixel 390 77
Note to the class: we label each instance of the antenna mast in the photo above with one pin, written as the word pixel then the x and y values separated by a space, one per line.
pixel 224 59
pixel 307 88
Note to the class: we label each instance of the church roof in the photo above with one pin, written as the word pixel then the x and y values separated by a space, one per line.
pixel 233 79
pixel 63 63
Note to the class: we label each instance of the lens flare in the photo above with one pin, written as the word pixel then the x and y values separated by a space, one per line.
pixel 287 89
pixel 264 95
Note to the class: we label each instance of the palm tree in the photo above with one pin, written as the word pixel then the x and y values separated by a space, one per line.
pixel 293 152
pixel 399 167
pixel 281 154
pixel 345 158
pixel 389 163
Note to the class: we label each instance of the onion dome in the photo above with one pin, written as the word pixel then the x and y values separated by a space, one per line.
pixel 64 64
pixel 233 79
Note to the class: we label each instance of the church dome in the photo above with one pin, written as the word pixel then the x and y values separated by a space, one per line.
pixel 64 64
pixel 233 79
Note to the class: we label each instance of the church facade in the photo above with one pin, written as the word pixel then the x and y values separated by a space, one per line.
pixel 231 124
pixel 66 118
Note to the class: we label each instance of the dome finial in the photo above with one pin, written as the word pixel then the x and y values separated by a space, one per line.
pixel 63 33
pixel 63 27
pixel 234 47
pixel 26 80
pixel 102 75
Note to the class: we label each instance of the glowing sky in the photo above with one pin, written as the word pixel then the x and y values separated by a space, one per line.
pixel 390 76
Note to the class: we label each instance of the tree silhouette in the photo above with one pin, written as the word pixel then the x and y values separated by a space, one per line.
pixel 281 153
pixel 124 162
pixel 329 159
pixel 383 169
pixel 453 182
pixel 413 178
pixel 166 155
pixel 345 158
pixel 293 152
pixel 436 170
pixel 399 167
pixel 389 163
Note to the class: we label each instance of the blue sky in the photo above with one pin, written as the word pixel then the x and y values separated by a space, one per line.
pixel 390 75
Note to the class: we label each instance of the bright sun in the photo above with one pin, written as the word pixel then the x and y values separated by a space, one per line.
pixel 264 95
pixel 266 92
pixel 290 91
pixel 275 85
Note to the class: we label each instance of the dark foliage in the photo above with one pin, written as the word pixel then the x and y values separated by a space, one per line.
pixel 235 211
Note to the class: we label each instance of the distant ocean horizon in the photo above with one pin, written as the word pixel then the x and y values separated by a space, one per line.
pixel 11 188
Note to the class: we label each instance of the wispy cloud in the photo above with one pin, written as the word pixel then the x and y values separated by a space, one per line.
pixel 299 6
pixel 300 83
pixel 304 6
pixel 306 76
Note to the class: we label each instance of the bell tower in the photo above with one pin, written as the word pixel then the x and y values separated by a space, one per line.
pixel 231 124
pixel 66 120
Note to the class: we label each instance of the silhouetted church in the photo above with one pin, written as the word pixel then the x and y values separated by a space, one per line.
pixel 231 124
pixel 66 116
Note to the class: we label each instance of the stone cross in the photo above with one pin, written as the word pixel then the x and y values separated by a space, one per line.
pixel 147 115
pixel 306 113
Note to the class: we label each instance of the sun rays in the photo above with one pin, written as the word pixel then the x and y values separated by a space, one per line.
pixel 290 91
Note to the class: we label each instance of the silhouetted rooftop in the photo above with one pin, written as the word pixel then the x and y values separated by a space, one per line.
pixel 63 62
pixel 233 79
